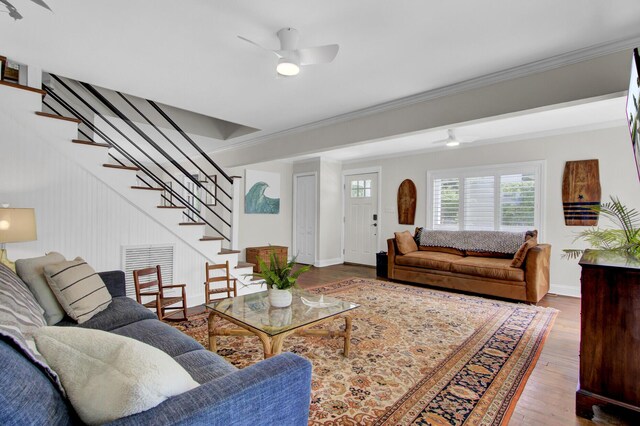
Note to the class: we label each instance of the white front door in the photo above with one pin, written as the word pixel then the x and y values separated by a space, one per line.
pixel 361 218
pixel 305 217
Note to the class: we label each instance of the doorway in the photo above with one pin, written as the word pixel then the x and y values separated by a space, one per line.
pixel 304 228
pixel 361 218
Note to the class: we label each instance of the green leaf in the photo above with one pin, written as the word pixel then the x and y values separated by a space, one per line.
pixel 279 274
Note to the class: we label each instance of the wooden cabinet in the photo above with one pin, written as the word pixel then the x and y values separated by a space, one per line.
pixel 610 334
pixel 264 253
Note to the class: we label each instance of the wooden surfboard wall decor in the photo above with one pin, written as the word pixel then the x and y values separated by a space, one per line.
pixel 580 192
pixel 407 202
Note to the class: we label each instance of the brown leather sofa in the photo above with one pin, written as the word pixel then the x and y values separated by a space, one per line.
pixel 476 274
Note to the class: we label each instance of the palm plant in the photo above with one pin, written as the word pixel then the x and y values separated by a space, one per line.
pixel 625 238
pixel 277 275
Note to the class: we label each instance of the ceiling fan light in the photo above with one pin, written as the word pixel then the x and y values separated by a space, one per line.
pixel 451 144
pixel 287 68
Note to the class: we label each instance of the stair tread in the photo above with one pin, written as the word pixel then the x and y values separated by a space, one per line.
pixel 244 265
pixel 58 117
pixel 228 251
pixel 191 223
pixel 90 143
pixel 20 86
pixel 147 188
pixel 208 238
pixel 118 166
pixel 171 207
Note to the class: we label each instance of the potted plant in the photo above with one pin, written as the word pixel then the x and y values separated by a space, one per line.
pixel 624 239
pixel 280 279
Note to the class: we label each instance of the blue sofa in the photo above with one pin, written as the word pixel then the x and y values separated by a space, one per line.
pixel 275 391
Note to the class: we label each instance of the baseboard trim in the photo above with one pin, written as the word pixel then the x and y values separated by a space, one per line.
pixel 565 290
pixel 328 262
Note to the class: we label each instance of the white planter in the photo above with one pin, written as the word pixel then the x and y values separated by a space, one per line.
pixel 279 298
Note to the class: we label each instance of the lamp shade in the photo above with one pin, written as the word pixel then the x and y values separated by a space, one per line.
pixel 17 225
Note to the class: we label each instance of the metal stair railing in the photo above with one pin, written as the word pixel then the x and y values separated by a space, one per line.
pixel 180 196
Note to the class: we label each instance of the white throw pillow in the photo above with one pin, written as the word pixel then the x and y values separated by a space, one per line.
pixel 108 376
pixel 78 288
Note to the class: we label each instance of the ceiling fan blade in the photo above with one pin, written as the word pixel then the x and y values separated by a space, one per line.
pixel 318 54
pixel 261 47
pixel 42 3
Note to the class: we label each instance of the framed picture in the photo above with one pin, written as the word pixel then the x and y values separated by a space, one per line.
pixel 11 71
pixel 262 192
pixel 3 62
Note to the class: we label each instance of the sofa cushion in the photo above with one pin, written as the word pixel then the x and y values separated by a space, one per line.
pixel 531 240
pixel 109 376
pixel 204 365
pixel 406 243
pixel 31 271
pixel 78 288
pixel 122 311
pixel 428 259
pixel 449 250
pixel 160 335
pixel 20 318
pixel 488 267
pixel 488 254
pixel 27 397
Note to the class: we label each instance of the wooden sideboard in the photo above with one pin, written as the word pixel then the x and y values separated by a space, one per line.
pixel 610 334
pixel 264 253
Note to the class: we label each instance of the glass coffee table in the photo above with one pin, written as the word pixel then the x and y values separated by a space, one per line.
pixel 255 317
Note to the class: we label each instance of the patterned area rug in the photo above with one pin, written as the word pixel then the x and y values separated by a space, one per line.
pixel 418 356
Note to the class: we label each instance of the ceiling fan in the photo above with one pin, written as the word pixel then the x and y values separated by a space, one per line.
pixel 452 140
pixel 291 58
pixel 13 12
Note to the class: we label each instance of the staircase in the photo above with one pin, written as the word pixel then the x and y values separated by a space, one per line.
pixel 200 211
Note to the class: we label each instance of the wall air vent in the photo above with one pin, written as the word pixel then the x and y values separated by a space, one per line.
pixel 146 256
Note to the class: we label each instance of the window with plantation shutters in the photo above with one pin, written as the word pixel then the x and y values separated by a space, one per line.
pixel 495 198
pixel 446 201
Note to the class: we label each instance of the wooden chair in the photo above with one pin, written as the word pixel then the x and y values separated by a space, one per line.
pixel 230 283
pixel 154 288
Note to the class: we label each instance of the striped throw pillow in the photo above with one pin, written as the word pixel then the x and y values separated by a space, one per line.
pixel 78 288
pixel 20 319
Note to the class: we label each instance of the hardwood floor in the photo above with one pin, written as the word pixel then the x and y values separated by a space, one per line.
pixel 549 396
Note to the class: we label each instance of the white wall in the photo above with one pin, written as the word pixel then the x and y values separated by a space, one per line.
pixel 330 203
pixel 329 214
pixel 617 176
pixel 264 229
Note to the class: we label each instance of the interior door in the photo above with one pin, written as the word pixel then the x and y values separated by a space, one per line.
pixel 305 228
pixel 361 218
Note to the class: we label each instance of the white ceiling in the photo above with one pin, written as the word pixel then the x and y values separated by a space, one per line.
pixel 186 53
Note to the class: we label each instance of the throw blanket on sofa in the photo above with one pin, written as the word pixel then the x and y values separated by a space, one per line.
pixel 491 241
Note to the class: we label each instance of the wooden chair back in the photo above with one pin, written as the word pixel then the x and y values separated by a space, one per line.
pixel 148 282
pixel 230 283
pixel 147 285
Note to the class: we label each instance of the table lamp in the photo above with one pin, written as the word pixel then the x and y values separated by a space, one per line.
pixel 16 225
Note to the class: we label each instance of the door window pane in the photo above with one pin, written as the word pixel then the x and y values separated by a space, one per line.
pixel 361 188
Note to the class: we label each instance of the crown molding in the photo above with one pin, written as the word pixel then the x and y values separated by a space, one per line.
pixel 554 62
